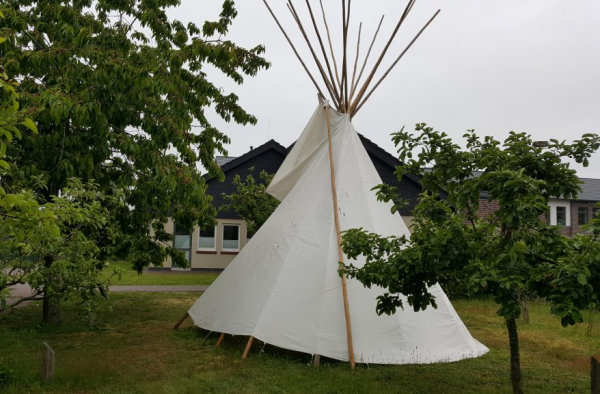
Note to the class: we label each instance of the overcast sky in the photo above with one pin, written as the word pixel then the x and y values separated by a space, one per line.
pixel 492 65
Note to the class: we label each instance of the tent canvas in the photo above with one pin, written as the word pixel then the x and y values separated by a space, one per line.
pixel 284 288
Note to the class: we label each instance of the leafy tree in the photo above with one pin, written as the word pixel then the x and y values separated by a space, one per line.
pixel 120 95
pixel 251 201
pixel 58 230
pixel 12 118
pixel 510 252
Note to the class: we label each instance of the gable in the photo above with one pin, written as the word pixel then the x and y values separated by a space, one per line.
pixel 268 160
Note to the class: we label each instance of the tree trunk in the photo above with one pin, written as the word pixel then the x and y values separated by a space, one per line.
pixel 51 304
pixel 525 311
pixel 51 311
pixel 515 358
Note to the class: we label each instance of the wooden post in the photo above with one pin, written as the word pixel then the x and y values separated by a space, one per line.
pixel 595 375
pixel 317 361
pixel 220 341
pixel 47 363
pixel 181 321
pixel 339 241
pixel 248 346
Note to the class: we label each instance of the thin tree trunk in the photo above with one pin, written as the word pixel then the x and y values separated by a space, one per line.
pixel 51 311
pixel 515 358
pixel 51 305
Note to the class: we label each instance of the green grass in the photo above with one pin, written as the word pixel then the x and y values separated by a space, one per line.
pixel 131 278
pixel 135 350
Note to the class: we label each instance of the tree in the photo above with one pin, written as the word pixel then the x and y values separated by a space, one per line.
pixel 511 251
pixel 119 93
pixel 251 201
pixel 12 118
pixel 65 230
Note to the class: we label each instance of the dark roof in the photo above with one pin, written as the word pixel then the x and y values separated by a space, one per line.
pixel 387 157
pixel 227 163
pixel 380 153
pixel 590 190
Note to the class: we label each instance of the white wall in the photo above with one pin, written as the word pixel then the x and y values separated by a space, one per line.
pixel 553 203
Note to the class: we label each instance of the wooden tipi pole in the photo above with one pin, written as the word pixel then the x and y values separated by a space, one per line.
pixel 339 241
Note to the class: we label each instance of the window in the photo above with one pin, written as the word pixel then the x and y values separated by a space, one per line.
pixel 582 215
pixel 207 239
pixel 561 216
pixel 182 241
pixel 231 237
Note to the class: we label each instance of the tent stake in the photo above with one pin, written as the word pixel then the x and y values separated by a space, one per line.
pixel 181 321
pixel 221 338
pixel 339 241
pixel 248 346
pixel 316 361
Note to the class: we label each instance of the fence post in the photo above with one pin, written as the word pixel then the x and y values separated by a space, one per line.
pixel 595 374
pixel 47 363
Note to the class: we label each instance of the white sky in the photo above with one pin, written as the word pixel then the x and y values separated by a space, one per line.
pixel 492 65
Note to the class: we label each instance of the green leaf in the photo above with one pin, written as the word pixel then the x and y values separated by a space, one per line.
pixel 582 279
pixel 2 39
pixel 30 125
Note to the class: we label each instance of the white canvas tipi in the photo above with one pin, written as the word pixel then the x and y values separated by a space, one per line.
pixel 284 288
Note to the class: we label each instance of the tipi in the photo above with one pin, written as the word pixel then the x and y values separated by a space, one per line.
pixel 284 287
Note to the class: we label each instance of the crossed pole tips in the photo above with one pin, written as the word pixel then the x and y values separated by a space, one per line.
pixel 343 88
pixel 343 91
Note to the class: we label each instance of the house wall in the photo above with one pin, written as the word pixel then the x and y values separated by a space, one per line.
pixel 553 204
pixel 211 260
pixel 487 207
pixel 575 205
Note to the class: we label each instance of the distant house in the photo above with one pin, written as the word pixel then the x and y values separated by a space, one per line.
pixel 569 214
pixel 572 214
pixel 213 249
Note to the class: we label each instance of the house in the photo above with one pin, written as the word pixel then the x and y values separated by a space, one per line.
pixel 213 249
pixel 571 214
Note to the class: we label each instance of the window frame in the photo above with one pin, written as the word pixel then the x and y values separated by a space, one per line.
pixel 564 211
pixel 585 211
pixel 187 251
pixel 204 249
pixel 239 240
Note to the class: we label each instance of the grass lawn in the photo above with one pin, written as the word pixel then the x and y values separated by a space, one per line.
pixel 135 350
pixel 132 278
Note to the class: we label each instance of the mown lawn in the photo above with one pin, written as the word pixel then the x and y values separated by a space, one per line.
pixel 135 350
pixel 129 277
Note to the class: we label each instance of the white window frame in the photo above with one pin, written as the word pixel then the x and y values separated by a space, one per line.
pixel 214 248
pixel 223 248
pixel 554 203
pixel 186 250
